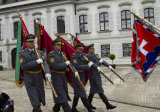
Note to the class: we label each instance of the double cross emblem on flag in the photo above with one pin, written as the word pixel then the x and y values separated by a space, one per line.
pixel 145 48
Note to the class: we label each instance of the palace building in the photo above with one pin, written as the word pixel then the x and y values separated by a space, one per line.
pixel 106 23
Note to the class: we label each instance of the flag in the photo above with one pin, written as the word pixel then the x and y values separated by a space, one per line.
pixel 145 53
pixel 22 32
pixel 75 41
pixel 44 41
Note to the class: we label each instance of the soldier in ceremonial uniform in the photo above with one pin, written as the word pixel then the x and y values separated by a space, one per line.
pixel 95 78
pixel 80 64
pixel 33 78
pixel 58 68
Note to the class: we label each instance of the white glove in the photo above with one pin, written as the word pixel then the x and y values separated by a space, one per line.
pixel 48 76
pixel 90 64
pixel 99 69
pixel 110 67
pixel 76 74
pixel 67 62
pixel 39 61
pixel 101 60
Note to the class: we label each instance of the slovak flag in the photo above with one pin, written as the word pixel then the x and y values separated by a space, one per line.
pixel 145 48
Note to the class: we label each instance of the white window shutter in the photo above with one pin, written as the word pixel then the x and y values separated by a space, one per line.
pixel 156 15
pixel 67 24
pixel 141 13
pixel 112 48
pixel 2 31
pixel 97 22
pixel 43 21
pixel 120 50
pixel 118 15
pixel 32 27
pixel 3 56
pixel 77 30
pixel 111 18
pixel 90 26
pixel 11 30
pixel 54 24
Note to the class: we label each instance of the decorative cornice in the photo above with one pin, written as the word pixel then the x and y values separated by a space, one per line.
pixel 61 9
pixel 103 6
pixel 148 1
pixel 15 16
pixel 48 10
pixel 6 16
pixel 125 3
pixel 37 13
pixel 82 8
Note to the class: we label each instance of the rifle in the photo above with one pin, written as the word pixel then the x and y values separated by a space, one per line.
pixel 74 72
pixel 111 70
pixel 96 68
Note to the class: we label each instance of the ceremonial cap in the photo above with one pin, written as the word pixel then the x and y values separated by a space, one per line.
pixel 79 46
pixel 57 41
pixel 91 46
pixel 29 37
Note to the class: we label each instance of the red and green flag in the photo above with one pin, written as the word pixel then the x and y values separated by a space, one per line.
pixel 22 32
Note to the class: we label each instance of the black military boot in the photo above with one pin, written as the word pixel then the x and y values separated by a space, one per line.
pixel 105 100
pixel 56 107
pixel 66 107
pixel 109 106
pixel 75 102
pixel 37 109
pixel 90 110
pixel 90 97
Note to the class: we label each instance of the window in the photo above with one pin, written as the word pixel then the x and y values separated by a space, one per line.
pixel 15 29
pixel 35 26
pixel 127 49
pixel 126 19
pixel 83 23
pixel 149 15
pixel 8 1
pixel 105 50
pixel 104 23
pixel 60 24
pixel 0 56
pixel 0 32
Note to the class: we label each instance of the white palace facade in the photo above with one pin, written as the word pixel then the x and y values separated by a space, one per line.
pixel 106 23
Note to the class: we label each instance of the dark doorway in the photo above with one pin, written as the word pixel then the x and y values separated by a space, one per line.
pixel 14 57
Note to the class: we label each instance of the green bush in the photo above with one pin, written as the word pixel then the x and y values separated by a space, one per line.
pixel 112 57
pixel 1 68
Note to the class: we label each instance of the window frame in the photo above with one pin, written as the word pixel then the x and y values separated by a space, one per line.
pixel 15 30
pixel 149 17
pixel 61 25
pixel 104 22
pixel 126 19
pixel 84 23
pixel 106 55
pixel 129 44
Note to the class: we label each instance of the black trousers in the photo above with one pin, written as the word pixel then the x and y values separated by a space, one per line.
pixel 101 95
pixel 84 101
pixel 65 106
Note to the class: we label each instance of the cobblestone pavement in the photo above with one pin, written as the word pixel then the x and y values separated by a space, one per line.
pixel 132 96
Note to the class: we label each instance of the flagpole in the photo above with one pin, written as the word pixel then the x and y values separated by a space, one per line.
pixel 150 24
pixel 54 92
